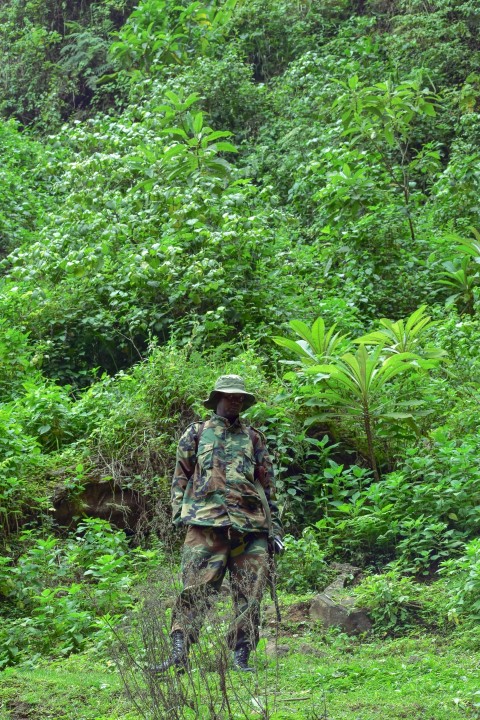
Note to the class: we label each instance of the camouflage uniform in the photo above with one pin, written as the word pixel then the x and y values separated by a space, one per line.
pixel 213 492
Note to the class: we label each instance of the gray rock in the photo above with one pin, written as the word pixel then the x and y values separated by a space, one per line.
pixel 346 574
pixel 307 649
pixel 270 614
pixel 342 614
pixel 333 608
pixel 274 649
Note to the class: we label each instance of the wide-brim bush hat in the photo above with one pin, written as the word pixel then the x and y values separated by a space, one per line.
pixel 229 384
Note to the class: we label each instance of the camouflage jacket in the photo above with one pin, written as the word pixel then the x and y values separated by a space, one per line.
pixel 213 485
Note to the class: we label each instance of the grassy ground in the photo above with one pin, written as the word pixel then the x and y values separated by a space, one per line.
pixel 313 676
pixel 410 678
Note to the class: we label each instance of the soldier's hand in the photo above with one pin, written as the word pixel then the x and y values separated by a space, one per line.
pixel 278 546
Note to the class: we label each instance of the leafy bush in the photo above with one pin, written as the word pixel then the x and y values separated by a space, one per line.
pixel 419 514
pixel 229 93
pixel 393 601
pixel 61 594
pixel 463 578
pixel 18 452
pixel 25 187
pixel 16 361
pixel 201 264
pixel 45 410
pixel 359 389
pixel 54 56
pixel 303 568
pixel 272 36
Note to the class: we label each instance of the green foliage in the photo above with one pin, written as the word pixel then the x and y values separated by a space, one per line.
pixel 410 28
pixel 317 345
pixel 17 451
pixel 420 514
pixel 157 34
pixel 404 336
pixel 271 36
pixel 24 187
pixel 455 193
pixel 54 56
pixel 180 244
pixel 303 568
pixel 392 600
pixel 62 594
pixel 16 361
pixel 197 149
pixel 463 576
pixel 384 115
pixel 45 411
pixel 356 386
pixel 338 489
pixel 461 273
pixel 229 94
pixel 463 281
pixel 225 167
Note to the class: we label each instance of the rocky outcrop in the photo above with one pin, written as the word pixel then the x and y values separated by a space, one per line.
pixel 123 507
pixel 334 607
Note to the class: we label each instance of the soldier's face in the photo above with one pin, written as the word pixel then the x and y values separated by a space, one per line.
pixel 230 405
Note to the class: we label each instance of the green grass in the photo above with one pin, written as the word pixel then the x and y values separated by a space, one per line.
pixel 408 678
pixel 426 677
pixel 76 688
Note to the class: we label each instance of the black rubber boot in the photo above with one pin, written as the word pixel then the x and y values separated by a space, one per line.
pixel 179 657
pixel 240 659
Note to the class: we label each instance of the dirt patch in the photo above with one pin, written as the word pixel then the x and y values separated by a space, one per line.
pixel 123 507
pixel 298 613
pixel 295 618
pixel 20 710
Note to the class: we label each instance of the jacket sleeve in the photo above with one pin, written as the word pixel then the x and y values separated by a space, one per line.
pixel 267 478
pixel 184 469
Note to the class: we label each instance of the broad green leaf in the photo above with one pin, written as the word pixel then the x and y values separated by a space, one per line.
pixel 216 134
pixel 373 338
pixel 389 136
pixel 429 109
pixel 397 415
pixel 222 167
pixel 174 150
pixel 225 147
pixel 190 100
pixel 173 97
pixel 353 82
pixel 174 131
pixel 197 123
pixel 292 345
pixel 303 330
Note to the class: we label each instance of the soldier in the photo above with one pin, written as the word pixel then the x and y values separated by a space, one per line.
pixel 221 491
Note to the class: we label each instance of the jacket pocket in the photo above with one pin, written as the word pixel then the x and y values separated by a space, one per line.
pixel 248 462
pixel 204 470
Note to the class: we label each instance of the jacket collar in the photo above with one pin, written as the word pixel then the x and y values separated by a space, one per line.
pixel 224 421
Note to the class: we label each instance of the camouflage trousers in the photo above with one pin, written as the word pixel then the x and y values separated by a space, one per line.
pixel 207 555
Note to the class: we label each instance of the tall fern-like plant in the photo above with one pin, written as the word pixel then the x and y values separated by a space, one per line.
pixel 317 344
pixel 354 385
pixel 462 280
pixel 462 274
pixel 407 335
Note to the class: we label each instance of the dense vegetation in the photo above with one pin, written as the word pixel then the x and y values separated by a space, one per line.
pixel 284 190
